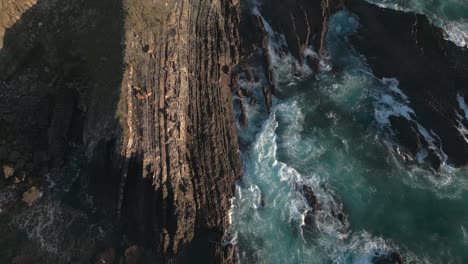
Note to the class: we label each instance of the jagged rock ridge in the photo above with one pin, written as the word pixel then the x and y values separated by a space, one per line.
pixel 180 155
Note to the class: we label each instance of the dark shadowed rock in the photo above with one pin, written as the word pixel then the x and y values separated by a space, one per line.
pixel 303 22
pixel 431 71
pixel 3 152
pixel 329 212
pixel 310 197
pixel 14 156
pixel 132 255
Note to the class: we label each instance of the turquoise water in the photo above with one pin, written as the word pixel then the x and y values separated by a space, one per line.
pixel 330 131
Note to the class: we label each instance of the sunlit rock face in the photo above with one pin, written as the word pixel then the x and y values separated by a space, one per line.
pixel 11 13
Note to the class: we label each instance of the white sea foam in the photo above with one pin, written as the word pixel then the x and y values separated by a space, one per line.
pixel 53 226
pixel 461 127
pixel 7 195
pixel 391 103
pixel 465 234
pixel 456 32
pixel 463 106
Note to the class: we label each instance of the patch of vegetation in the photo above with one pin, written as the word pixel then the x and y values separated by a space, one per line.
pixel 144 16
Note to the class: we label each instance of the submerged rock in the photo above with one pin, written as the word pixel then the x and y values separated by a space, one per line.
pixel 327 211
pixel 310 197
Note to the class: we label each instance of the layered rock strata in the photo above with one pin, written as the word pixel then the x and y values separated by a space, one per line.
pixel 180 154
pixel 144 88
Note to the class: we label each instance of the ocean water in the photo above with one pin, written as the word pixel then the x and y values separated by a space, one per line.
pixel 330 131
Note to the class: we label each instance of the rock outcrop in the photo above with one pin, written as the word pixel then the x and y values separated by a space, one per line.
pixel 325 212
pixel 431 71
pixel 303 23
pixel 294 27
pixel 180 153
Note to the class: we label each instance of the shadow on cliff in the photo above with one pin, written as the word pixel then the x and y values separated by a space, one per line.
pixel 63 65
pixel 61 69
pixel 126 189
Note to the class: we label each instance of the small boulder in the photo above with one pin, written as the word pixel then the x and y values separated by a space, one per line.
pixel 8 171
pixel 31 195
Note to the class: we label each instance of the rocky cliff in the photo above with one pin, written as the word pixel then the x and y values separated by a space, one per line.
pixel 140 92
pixel 180 154
pixel 129 102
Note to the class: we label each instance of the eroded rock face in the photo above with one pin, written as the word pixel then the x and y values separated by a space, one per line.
pixel 431 71
pixel 304 23
pixel 180 152
pixel 146 93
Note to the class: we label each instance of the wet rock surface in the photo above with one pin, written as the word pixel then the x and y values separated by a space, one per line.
pixel 304 23
pixel 294 27
pixel 326 211
pixel 431 71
